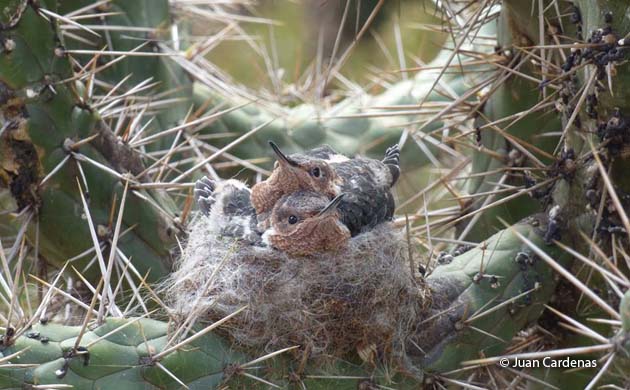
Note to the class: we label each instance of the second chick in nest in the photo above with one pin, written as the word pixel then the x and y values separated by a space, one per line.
pixel 367 184
pixel 305 222
pixel 302 223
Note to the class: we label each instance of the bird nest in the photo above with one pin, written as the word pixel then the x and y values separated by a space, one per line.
pixel 362 298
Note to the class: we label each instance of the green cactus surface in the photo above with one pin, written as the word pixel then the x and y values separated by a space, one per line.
pixel 514 191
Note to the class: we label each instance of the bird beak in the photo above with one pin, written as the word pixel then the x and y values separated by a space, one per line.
pixel 331 206
pixel 282 158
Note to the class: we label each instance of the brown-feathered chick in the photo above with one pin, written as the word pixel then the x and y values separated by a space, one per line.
pixel 292 174
pixel 304 223
pixel 366 182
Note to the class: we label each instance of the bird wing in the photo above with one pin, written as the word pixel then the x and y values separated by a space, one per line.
pixel 233 212
pixel 204 188
pixel 366 203
pixel 392 162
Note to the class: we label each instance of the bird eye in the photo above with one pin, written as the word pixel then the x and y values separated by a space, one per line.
pixel 293 219
pixel 315 172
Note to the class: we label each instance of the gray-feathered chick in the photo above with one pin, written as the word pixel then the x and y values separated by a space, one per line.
pixel 227 203
pixel 301 224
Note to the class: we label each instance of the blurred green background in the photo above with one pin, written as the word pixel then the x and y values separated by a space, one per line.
pixel 292 33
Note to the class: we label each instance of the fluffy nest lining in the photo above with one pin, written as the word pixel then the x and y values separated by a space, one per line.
pixel 361 298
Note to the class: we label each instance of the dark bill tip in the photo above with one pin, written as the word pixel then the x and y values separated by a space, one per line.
pixel 331 206
pixel 282 158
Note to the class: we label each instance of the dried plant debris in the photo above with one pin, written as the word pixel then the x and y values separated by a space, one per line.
pixel 361 298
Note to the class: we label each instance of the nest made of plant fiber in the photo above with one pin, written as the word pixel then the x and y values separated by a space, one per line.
pixel 362 298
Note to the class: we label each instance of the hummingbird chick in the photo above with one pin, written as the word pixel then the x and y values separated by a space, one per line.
pixel 292 174
pixel 301 224
pixel 304 223
pixel 227 204
pixel 365 181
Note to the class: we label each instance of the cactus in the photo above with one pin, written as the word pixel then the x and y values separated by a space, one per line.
pixel 47 124
pixel 117 353
pixel 128 346
pixel 71 152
